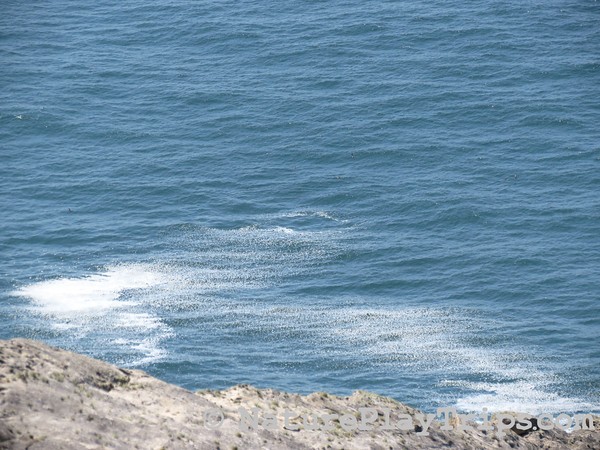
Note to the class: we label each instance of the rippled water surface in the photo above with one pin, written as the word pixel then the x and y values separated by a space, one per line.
pixel 402 197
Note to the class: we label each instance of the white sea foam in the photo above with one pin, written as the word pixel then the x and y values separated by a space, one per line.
pixel 520 396
pixel 90 294
pixel 436 340
pixel 521 383
pixel 150 349
pixel 322 214
pixel 285 230
pixel 106 304
pixel 138 321
pixel 146 350
pixel 429 340
pixel 126 303
pixel 248 257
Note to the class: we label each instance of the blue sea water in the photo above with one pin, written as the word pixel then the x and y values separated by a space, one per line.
pixel 402 197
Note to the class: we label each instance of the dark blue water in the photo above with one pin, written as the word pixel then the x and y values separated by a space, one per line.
pixel 398 197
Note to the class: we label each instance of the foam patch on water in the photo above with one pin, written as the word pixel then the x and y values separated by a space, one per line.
pixel 138 321
pixel 120 312
pixel 322 214
pixel 521 396
pixel 285 230
pixel 444 344
pixel 111 302
pixel 90 294
pixel 149 350
pixel 224 277
pixel 251 256
pixel 438 341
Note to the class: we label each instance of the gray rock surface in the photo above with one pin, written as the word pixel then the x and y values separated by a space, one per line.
pixel 55 399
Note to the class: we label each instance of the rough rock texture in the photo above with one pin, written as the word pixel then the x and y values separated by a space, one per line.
pixel 54 399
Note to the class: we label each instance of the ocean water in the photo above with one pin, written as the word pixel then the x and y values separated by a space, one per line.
pixel 402 197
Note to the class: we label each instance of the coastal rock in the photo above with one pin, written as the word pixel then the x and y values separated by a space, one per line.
pixel 55 399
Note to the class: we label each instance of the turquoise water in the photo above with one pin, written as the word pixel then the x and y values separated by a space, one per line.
pixel 401 197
